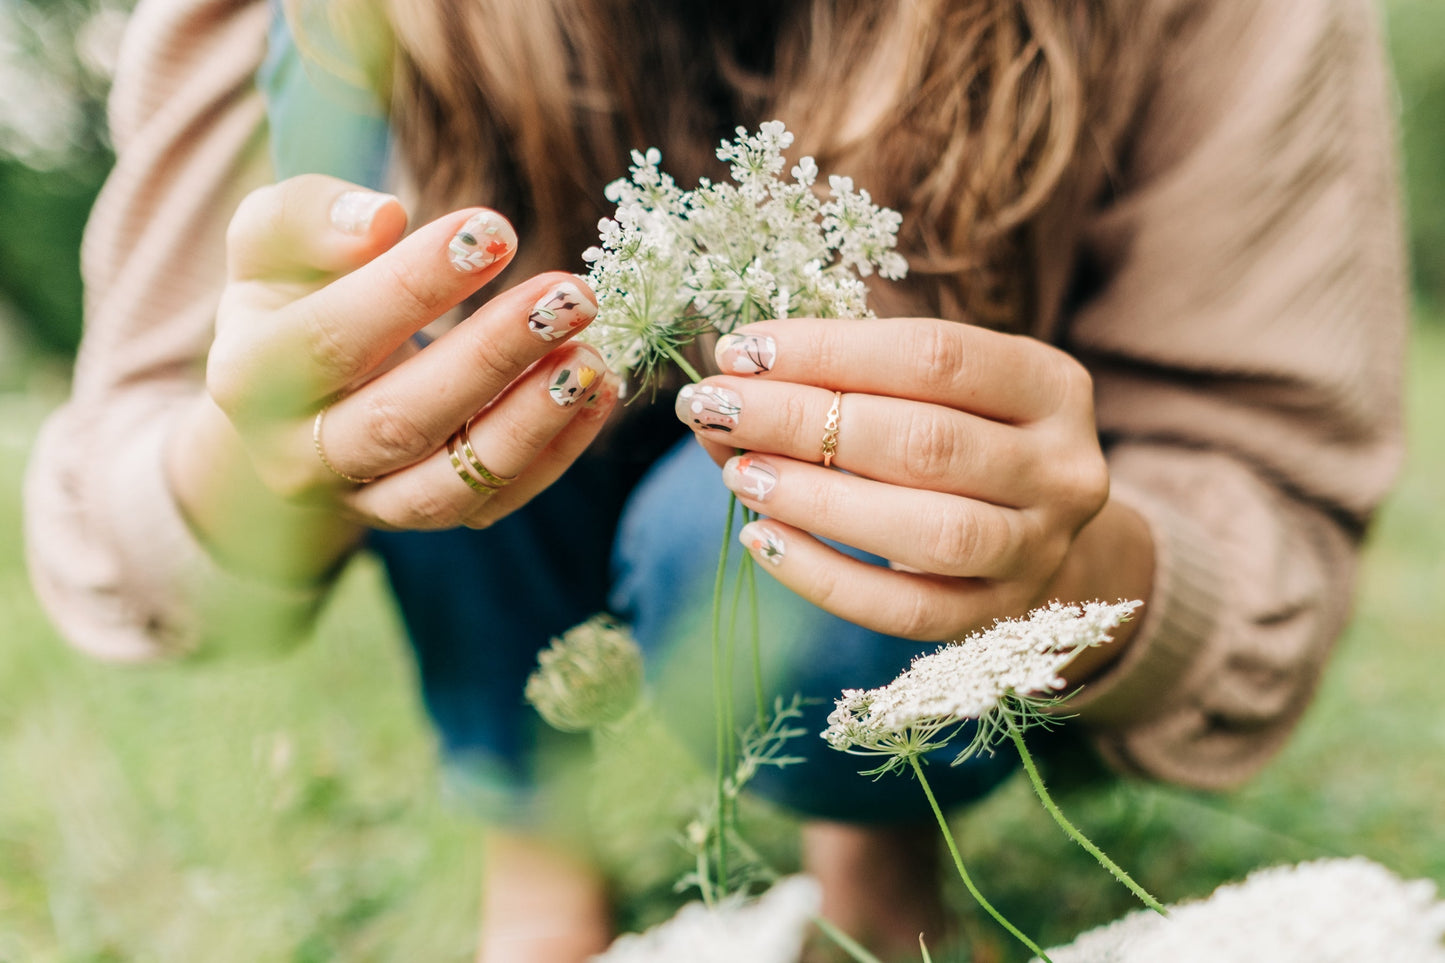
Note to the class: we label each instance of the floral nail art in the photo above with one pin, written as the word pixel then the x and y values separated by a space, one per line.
pixel 560 311
pixel 764 542
pixel 747 475
pixel 708 406
pixel 746 353
pixel 353 211
pixel 573 384
pixel 483 239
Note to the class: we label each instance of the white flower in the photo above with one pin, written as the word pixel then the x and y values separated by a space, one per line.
pixel 672 263
pixel 591 676
pixel 1001 676
pixel 769 929
pixel 1326 911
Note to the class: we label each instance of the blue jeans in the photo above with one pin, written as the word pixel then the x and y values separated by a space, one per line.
pixel 479 605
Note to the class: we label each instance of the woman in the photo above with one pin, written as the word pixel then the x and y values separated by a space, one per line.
pixel 1170 230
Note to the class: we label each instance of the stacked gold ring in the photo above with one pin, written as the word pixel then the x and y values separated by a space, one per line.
pixel 830 430
pixel 321 451
pixel 469 467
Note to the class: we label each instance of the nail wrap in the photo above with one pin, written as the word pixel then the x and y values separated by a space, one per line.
pixel 560 311
pixel 485 237
pixel 749 476
pixel 573 383
pixel 708 406
pixel 764 542
pixel 353 211
pixel 746 354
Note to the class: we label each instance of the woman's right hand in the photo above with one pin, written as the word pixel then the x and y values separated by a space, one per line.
pixel 322 299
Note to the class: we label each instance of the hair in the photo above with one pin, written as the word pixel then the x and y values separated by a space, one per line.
pixel 964 115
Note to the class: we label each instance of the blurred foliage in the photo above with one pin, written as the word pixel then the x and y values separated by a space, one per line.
pixel 55 57
pixel 1417 46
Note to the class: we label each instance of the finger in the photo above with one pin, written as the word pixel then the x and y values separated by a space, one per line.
pixel 889 439
pixel 928 608
pixel 328 340
pixel 504 439
pixel 999 376
pixel 927 531
pixel 557 457
pixel 408 412
pixel 310 226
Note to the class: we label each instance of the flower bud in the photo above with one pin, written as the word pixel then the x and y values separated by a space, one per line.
pixel 588 677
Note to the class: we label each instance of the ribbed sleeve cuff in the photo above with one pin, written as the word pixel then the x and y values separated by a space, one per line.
pixel 1179 618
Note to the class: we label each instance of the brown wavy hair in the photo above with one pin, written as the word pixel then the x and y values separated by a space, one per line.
pixel 965 115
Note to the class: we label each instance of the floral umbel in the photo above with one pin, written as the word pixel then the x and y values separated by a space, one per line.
pixel 769 929
pixel 1004 677
pixel 1324 911
pixel 1004 680
pixel 674 262
pixel 590 676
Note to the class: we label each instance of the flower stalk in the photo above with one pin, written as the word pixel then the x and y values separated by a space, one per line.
pixel 1073 833
pixel 958 864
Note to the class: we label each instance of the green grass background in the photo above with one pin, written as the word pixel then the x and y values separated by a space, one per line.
pixel 289 811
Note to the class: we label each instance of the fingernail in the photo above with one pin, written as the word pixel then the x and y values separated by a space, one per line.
pixel 484 239
pixel 750 475
pixel 765 544
pixel 352 211
pixel 611 384
pixel 562 310
pixel 708 406
pixel 745 353
pixel 576 381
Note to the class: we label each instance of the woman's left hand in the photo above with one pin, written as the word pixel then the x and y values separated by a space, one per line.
pixel 968 458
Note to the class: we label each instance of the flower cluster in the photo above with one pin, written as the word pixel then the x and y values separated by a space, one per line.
pixel 769 929
pixel 591 676
pixel 675 262
pixel 1003 676
pixel 1326 911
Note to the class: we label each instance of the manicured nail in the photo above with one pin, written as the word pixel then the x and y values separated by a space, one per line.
pixel 708 406
pixel 749 475
pixel 763 542
pixel 562 310
pixel 576 381
pixel 609 385
pixel 482 240
pixel 353 211
pixel 746 353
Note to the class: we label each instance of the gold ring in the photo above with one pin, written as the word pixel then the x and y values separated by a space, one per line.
pixel 321 451
pixel 469 467
pixel 830 430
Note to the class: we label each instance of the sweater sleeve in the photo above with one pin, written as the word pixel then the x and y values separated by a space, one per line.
pixel 110 555
pixel 1245 341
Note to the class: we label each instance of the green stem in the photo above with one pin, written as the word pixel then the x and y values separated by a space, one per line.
pixel 681 362
pixel 963 873
pixel 1074 833
pixel 722 735
pixel 849 945
pixel 759 694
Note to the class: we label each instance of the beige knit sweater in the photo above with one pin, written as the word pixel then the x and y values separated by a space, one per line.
pixel 1245 342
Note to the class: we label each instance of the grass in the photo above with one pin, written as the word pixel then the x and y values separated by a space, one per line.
pixel 288 811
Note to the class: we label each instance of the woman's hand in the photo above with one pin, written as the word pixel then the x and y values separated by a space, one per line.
pixel 969 459
pixel 322 414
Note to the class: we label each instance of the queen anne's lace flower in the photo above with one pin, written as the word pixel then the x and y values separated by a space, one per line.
pixel 1327 911
pixel 1001 676
pixel 672 262
pixel 769 929
pixel 591 676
